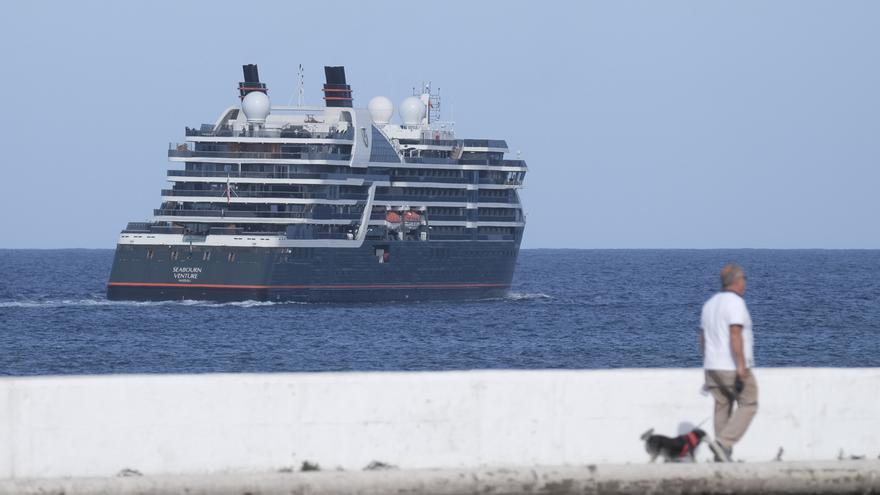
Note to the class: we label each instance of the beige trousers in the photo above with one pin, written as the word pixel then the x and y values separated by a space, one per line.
pixel 731 425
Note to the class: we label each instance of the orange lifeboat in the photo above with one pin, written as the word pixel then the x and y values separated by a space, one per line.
pixel 393 218
pixel 412 220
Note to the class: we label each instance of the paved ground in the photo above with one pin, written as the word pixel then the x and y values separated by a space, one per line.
pixel 765 478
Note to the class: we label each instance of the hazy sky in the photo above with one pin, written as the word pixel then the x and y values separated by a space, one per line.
pixel 644 124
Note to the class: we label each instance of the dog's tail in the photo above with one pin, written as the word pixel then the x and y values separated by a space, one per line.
pixel 647 434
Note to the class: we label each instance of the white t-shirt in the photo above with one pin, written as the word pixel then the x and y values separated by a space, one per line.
pixel 720 311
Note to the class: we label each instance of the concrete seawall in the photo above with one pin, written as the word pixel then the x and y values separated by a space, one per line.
pixel 98 426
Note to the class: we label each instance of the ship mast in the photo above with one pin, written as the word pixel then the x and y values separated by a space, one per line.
pixel 299 100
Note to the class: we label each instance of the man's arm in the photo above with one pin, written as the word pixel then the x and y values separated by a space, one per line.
pixel 736 346
pixel 702 343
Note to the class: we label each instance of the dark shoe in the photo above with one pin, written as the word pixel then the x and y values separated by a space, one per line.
pixel 722 453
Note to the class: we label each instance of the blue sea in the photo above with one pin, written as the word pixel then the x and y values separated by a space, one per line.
pixel 568 309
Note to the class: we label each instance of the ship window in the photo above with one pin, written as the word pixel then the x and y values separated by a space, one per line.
pixel 206 256
pixel 174 255
pixel 231 257
pixel 150 254
pixel 382 151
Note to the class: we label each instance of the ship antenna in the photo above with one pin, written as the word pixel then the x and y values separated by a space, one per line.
pixel 301 80
pixel 299 92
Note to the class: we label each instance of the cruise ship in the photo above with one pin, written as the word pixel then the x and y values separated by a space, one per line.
pixel 329 203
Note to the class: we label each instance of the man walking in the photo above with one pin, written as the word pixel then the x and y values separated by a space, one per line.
pixel 726 342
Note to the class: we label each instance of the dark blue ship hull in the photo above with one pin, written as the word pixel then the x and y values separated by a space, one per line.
pixel 376 271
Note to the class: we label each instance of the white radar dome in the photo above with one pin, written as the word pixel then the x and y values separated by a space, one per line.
pixel 381 109
pixel 255 106
pixel 412 110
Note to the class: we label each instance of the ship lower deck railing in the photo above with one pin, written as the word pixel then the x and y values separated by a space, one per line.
pixel 453 180
pixel 423 198
pixel 416 198
pixel 452 161
pixel 456 218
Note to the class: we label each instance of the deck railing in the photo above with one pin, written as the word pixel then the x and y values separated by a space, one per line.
pixel 258 155
pixel 228 213
pixel 221 175
pixel 207 130
pixel 221 194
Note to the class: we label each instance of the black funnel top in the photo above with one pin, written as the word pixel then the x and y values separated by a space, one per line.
pixel 251 75
pixel 336 92
pixel 251 81
pixel 335 75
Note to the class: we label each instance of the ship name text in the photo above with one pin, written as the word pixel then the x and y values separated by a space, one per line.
pixel 186 273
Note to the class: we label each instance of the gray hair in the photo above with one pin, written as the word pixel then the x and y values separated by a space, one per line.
pixel 730 274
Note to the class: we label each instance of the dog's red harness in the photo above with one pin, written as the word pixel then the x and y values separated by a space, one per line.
pixel 690 443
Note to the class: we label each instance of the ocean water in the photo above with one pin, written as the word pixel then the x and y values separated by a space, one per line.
pixel 568 309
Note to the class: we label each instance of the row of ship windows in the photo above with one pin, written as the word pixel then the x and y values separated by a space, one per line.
pixel 449 229
pixel 493 253
pixel 446 229
pixel 175 255
pixel 273 147
pixel 286 255
pixel 461 174
pixel 439 191
pixel 419 191
pixel 307 254
pixel 207 254
pixel 271 168
pixel 427 172
pixel 495 212
pixel 442 210
pixel 494 193
pixel 495 230
pixel 291 169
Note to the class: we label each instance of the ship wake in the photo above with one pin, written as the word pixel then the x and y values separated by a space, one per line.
pixel 527 296
pixel 72 303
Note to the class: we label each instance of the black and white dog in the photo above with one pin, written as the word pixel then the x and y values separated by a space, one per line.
pixel 672 449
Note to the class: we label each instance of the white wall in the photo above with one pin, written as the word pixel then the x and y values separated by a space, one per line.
pixel 161 424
